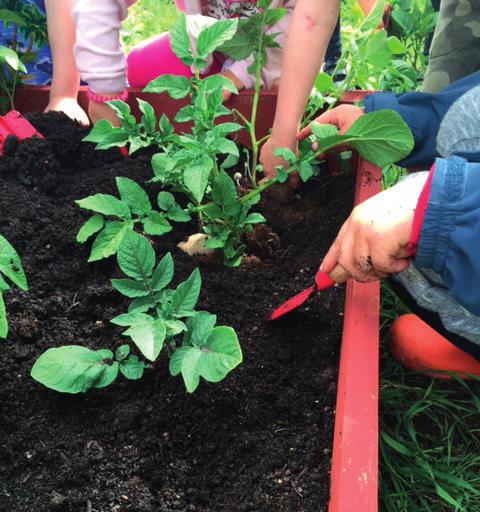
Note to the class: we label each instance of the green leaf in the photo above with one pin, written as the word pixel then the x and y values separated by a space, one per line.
pixel 224 129
pixel 149 120
pixel 381 137
pixel 273 16
pixel 199 328
pixel 175 327
pixel 122 352
pixel 323 131
pixel 130 319
pixel 8 16
pixel 108 240
pixel 75 369
pixel 10 57
pixel 185 114
pixel 165 200
pixel 395 45
pixel 305 171
pixel 186 295
pixel 156 224
pixel 3 318
pixel 142 304
pixel 180 41
pixel 122 110
pixel 287 154
pixel 377 52
pixel 177 87
pixel 374 18
pixel 10 264
pixel 281 174
pixel 100 129
pixel 324 83
pixel 130 288
pixel 92 226
pixel 196 178
pixel 220 354
pixel 136 256
pixel 225 146
pixel 148 336
pixel 105 204
pixel 239 47
pixel 163 274
pixel 218 82
pixel 132 369
pixel 224 192
pixel 210 38
pixel 255 218
pixel 133 195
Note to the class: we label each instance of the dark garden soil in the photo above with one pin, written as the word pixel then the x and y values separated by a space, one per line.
pixel 260 440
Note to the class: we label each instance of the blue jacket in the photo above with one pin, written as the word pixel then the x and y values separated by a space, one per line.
pixel 449 240
pixel 423 112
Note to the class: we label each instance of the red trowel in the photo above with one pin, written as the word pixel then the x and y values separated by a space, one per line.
pixel 322 282
pixel 14 124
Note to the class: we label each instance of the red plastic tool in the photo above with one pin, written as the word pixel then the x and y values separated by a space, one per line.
pixel 322 282
pixel 14 124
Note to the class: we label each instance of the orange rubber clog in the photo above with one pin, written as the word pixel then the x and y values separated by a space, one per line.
pixel 418 347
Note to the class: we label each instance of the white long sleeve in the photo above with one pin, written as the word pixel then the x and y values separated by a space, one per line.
pixel 98 53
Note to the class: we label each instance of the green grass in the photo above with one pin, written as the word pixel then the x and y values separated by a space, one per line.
pixel 147 18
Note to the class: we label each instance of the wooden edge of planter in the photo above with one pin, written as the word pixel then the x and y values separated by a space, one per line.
pixel 354 473
pixel 34 98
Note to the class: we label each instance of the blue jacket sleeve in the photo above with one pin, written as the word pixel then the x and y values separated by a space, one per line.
pixel 423 112
pixel 449 240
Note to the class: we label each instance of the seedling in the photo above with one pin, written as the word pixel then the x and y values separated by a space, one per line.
pixel 133 207
pixel 157 317
pixel 11 268
pixel 10 67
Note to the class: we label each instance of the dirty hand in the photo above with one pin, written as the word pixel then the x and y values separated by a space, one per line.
pixel 342 117
pixel 372 243
pixel 97 111
pixel 269 161
pixel 68 106
pixel 236 82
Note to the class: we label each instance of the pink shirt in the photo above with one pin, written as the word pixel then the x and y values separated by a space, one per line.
pixel 100 57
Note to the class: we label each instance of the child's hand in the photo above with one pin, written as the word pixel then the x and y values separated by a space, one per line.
pixel 68 106
pixel 269 161
pixel 373 242
pixel 97 111
pixel 342 117
pixel 236 82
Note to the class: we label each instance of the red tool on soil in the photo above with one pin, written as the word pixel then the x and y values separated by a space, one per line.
pixel 14 124
pixel 322 282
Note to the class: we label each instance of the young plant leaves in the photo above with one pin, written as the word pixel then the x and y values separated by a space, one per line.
pixel 133 195
pixel 381 137
pixel 212 360
pixel 136 256
pixel 210 38
pixel 93 225
pixel 180 42
pixel 75 369
pixel 186 295
pixel 177 87
pixel 10 264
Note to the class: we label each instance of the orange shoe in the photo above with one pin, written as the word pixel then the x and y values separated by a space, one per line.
pixel 418 347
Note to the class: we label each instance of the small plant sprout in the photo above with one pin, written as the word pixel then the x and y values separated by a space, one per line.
pixel 157 318
pixel 10 67
pixel 114 217
pixel 11 268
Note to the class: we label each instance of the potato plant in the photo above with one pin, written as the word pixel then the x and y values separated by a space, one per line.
pixel 196 164
pixel 11 268
pixel 158 318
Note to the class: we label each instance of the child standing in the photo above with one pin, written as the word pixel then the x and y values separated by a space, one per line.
pixel 103 65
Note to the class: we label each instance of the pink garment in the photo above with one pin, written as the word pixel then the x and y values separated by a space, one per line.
pixel 153 58
pixel 101 61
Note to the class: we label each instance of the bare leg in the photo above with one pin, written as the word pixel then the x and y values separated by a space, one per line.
pixel 65 78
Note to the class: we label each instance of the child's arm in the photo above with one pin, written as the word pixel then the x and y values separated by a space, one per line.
pixel 311 27
pixel 98 52
pixel 65 77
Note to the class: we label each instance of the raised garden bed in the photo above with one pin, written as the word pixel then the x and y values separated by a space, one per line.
pixel 262 439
